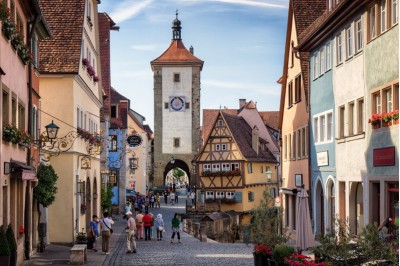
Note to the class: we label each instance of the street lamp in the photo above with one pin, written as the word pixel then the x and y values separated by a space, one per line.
pixel 52 130
pixel 269 175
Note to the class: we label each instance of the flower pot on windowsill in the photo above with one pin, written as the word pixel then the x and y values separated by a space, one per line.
pixel 396 122
pixel 386 124
pixel 376 126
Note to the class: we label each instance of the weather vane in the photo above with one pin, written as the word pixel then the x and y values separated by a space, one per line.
pixel 176 13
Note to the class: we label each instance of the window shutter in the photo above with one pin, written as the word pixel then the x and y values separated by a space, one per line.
pixel 238 197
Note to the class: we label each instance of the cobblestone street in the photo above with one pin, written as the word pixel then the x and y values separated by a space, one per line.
pixel 190 252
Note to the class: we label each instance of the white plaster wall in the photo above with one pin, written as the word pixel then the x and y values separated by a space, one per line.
pixel 348 86
pixel 177 124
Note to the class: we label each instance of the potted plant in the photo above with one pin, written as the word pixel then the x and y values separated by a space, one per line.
pixel 375 120
pixel 261 253
pixel 12 245
pixel 4 248
pixel 280 252
pixel 302 260
pixel 395 116
pixel 387 119
pixel 81 238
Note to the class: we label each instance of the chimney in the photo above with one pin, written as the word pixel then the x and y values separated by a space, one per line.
pixel 242 103
pixel 255 139
pixel 191 50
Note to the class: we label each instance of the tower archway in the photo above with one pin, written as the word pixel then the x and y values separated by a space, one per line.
pixel 170 178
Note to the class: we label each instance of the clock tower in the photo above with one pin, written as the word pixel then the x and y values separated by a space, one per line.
pixel 176 108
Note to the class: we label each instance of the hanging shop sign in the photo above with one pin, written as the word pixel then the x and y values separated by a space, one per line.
pixel 134 140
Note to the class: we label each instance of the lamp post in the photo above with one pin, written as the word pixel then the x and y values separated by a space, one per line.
pixel 52 130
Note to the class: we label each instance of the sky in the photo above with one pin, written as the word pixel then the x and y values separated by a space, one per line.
pixel 240 41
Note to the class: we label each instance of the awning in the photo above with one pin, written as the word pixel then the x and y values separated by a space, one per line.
pixel 28 175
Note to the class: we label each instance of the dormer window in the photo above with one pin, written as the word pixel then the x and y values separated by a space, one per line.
pixel 220 123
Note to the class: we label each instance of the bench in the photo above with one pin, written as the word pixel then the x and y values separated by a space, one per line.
pixel 78 254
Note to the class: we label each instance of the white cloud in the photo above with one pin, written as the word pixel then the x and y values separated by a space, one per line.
pixel 245 87
pixel 127 10
pixel 145 47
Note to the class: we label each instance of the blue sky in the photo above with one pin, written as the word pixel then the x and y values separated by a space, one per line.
pixel 240 41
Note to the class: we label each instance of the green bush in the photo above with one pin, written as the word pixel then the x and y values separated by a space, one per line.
pixel 11 239
pixel 106 195
pixel 280 252
pixel 4 247
pixel 46 190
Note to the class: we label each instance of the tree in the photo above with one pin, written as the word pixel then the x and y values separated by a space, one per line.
pixel 106 195
pixel 265 221
pixel 44 193
pixel 177 173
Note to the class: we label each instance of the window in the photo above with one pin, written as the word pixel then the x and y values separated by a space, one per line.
pixel 323 129
pixel 290 147
pixel 272 192
pixel 187 105
pixel 219 195
pixel 220 123
pixel 77 117
pixel 261 169
pixel 383 18
pixel 235 166
pixel 297 84
pixel 230 195
pixel 113 139
pixel 209 194
pixel 89 9
pixel 290 94
pixel 299 144
pixel 5 106
pixel 176 142
pixel 330 4
pixel 285 147
pixel 349 42
pixel 12 11
pixel 322 60
pixel 359 35
pixel 84 122
pixel 21 117
pixel 351 119
pixel 249 168
pixel 341 121
pixel 250 196
pixel 339 49
pixel 14 111
pixel 216 167
pixel 113 111
pixel 328 56
pixel 395 12
pixel 177 77
pixel 217 147
pixel 294 146
pixel 303 142
pixel 34 48
pixel 387 100
pixel 360 115
pixel 206 167
pixel 223 147
pixel 329 123
pixel 287 209
pixel 166 105
pixel 316 68
pixel 226 167
pixel 376 103
pixel 372 26
pixel 294 205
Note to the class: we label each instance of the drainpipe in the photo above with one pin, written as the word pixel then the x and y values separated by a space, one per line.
pixel 28 211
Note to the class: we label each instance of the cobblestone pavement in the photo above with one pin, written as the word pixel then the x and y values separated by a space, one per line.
pixel 190 252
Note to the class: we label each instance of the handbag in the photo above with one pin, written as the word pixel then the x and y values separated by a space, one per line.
pixel 111 231
pixel 161 228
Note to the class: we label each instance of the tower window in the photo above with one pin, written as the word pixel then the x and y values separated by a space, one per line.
pixel 177 77
pixel 166 105
pixel 187 105
pixel 177 142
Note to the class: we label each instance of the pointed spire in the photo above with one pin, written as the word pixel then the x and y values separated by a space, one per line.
pixel 176 28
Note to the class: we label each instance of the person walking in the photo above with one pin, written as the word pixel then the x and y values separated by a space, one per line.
pixel 158 200
pixel 152 225
pixel 176 197
pixel 152 200
pixel 107 222
pixel 166 197
pixel 146 204
pixel 159 225
pixel 147 225
pixel 139 225
pixel 130 233
pixel 172 197
pixel 94 228
pixel 176 228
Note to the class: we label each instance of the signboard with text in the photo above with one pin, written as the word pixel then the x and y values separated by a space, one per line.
pixel 134 140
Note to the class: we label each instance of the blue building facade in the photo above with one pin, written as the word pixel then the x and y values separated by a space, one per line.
pixel 322 136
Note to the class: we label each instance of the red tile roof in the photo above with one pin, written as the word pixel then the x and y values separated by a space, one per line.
pixel 209 117
pixel 61 54
pixel 177 53
pixel 270 118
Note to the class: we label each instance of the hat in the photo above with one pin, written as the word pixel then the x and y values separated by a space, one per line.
pixel 159 215
pixel 128 213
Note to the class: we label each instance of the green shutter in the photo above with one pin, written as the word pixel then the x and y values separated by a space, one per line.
pixel 238 197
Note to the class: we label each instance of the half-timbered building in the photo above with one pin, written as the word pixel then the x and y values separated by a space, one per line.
pixel 232 166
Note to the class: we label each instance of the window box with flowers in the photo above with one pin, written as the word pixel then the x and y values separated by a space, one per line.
pixel 8 28
pixel 375 120
pixel 395 116
pixel 387 119
pixel 85 62
pixel 228 201
pixel 10 133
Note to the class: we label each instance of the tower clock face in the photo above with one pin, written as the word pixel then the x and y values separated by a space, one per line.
pixel 177 103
